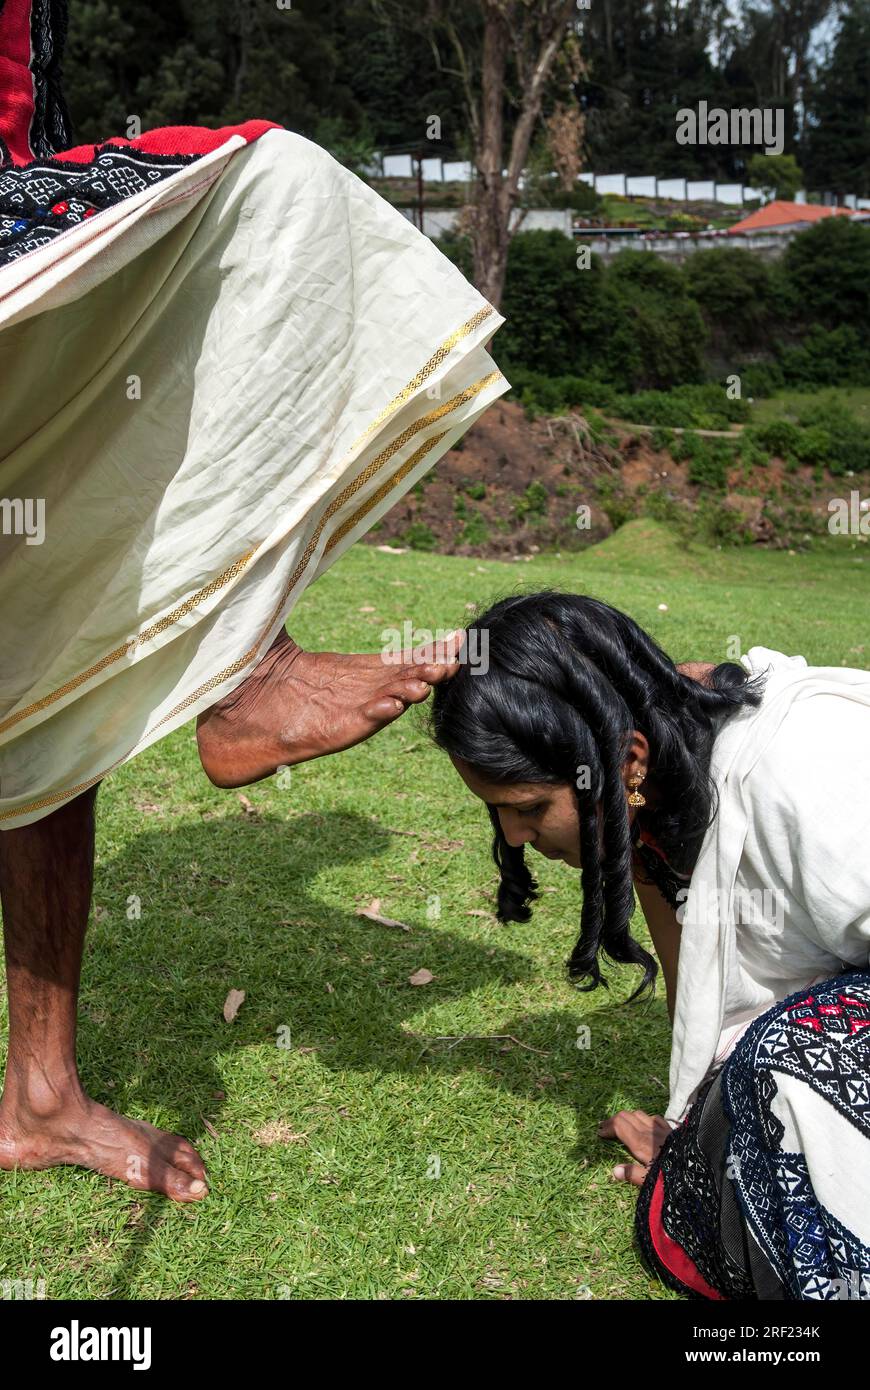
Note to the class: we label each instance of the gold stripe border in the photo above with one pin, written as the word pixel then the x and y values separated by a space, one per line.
pixel 235 569
pixel 335 538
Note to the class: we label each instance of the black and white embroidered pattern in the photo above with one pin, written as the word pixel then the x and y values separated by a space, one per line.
pixel 50 128
pixel 739 1205
pixel 693 1162
pixel 41 200
pixel 821 1036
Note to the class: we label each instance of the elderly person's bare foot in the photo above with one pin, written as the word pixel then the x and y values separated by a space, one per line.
pixel 298 705
pixel 77 1130
pixel 46 872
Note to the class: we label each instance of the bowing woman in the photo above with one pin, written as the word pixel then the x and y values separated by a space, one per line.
pixel 735 801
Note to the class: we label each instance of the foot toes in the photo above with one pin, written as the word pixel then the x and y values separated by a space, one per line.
pixel 434 673
pixel 181 1187
pixel 184 1156
pixel 384 710
pixel 411 690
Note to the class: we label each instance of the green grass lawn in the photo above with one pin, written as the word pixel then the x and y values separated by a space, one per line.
pixel 790 404
pixel 368 1159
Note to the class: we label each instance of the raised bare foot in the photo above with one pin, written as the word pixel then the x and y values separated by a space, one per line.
pixel 79 1131
pixel 299 705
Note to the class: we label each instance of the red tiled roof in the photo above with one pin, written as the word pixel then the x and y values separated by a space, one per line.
pixel 780 214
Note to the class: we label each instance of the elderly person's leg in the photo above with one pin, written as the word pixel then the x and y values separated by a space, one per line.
pixel 46 876
pixel 298 705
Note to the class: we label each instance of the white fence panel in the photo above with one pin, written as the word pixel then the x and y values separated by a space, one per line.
pixel 397 166
pixel 610 183
pixel 642 186
pixel 731 193
pixel 461 173
pixel 700 190
pixel 546 220
pixel 672 188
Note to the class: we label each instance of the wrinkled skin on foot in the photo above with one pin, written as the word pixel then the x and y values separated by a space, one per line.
pixel 76 1130
pixel 298 705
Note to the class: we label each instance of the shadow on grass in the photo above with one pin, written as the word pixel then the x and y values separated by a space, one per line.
pixel 245 915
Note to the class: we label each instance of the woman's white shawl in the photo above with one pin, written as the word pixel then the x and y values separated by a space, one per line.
pixel 780 894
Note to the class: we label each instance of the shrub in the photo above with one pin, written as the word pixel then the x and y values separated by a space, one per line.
pixel 556 315
pixel 681 448
pixel 661 439
pixel 814 445
pixel 734 291
pixel 776 436
pixel 849 440
pixel 717 523
pixel 827 358
pixel 709 462
pixel 781 172
pixel 761 379
pixel 752 453
pixel 617 504
pixel 655 330
pixel 542 394
pixel 533 501
pixel 419 537
pixel 475 531
pixel 662 506
pixel 828 270
pixel 705 407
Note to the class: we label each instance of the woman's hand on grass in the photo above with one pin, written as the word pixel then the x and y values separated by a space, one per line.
pixel 643 1136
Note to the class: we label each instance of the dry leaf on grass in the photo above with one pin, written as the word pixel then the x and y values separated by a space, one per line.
pixel 233 1002
pixel 421 977
pixel 373 912
pixel 209 1127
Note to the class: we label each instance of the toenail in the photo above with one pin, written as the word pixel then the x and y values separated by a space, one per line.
pixel 197 1186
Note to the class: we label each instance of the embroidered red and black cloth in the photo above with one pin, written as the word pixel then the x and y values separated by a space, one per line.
pixel 250 355
pixel 34 120
pixel 46 187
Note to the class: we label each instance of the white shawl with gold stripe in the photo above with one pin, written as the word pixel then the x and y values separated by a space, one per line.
pixel 215 387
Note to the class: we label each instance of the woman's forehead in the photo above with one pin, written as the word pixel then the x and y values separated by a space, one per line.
pixel 498 793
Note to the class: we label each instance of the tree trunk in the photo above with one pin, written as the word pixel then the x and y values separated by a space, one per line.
pixel 497 194
pixel 490 221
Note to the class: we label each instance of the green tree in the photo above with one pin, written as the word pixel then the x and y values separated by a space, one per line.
pixel 556 313
pixel 837 142
pixel 827 269
pixel 780 172
pixel 657 335
pixel 647 60
pixel 734 290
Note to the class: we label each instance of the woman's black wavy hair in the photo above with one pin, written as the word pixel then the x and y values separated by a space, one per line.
pixel 567 681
